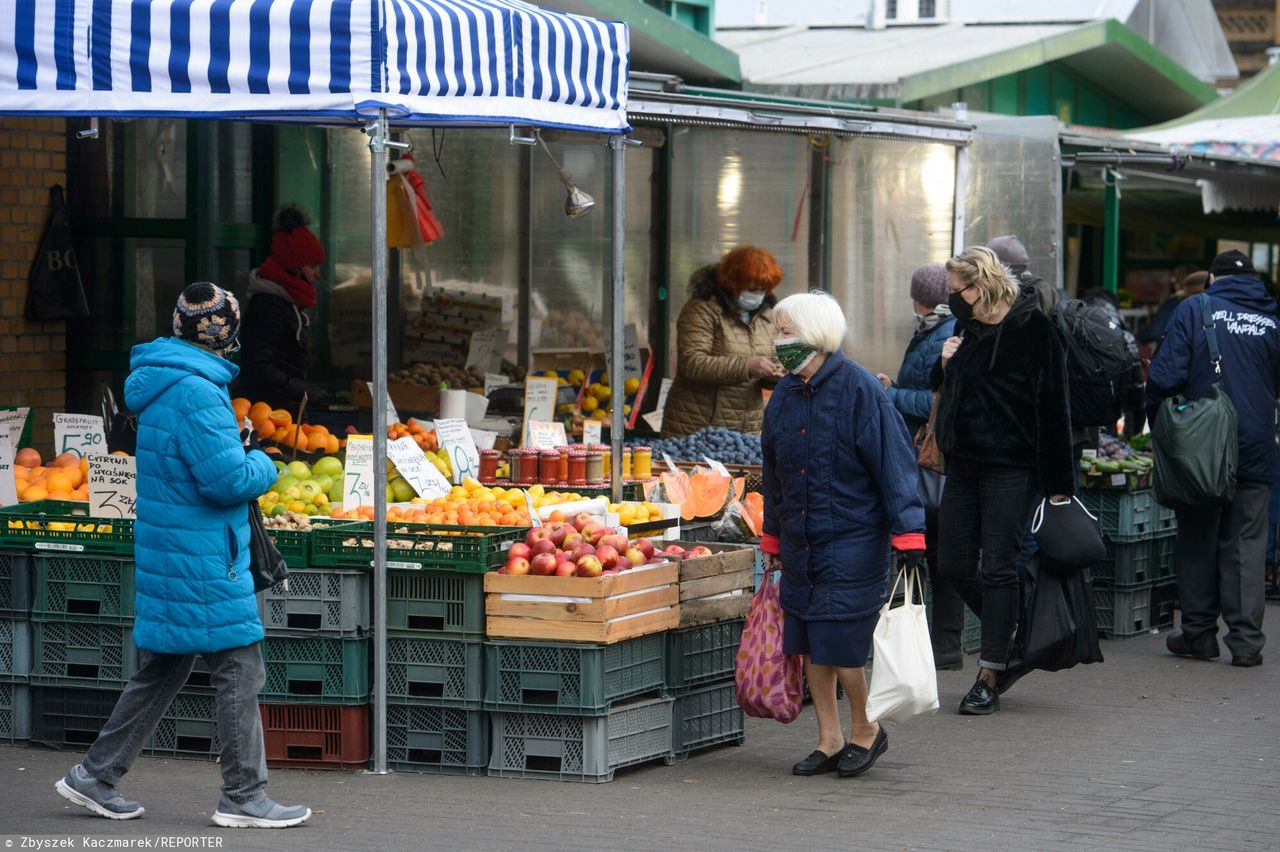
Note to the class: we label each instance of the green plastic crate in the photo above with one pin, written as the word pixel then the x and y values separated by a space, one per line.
pixel 706 717
pixel 15 649
pixel 1123 516
pixel 189 728
pixel 581 748
pixel 84 589
pixel 419 547
pixel 439 740
pixel 1163 551
pixel 70 717
pixel 971 633
pixel 16 531
pixel 445 604
pixel 434 670
pixel 294 546
pixel 69 653
pixel 15 711
pixel 15 585
pixel 702 655
pixel 577 678
pixel 324 600
pixel 1122 613
pixel 1127 565
pixel 309 669
pixel 1164 596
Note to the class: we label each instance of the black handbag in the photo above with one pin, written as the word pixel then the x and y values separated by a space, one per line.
pixel 1067 535
pixel 265 562
pixel 1057 628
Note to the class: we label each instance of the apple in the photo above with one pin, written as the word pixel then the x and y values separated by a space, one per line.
pixel 635 556
pixel 581 551
pixel 673 550
pixel 543 564
pixel 520 550
pixel 608 572
pixel 566 569
pixel 502 570
pixel 607 555
pixel 571 541
pixel 617 541
pixel 594 532
pixel 646 547
pixel 518 565
pixel 589 566
pixel 537 534
pixel 623 563
pixel 558 532
pixel 543 546
pixel 699 552
pixel 657 560
pixel 580 520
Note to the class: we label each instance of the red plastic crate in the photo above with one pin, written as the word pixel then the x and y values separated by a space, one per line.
pixel 316 736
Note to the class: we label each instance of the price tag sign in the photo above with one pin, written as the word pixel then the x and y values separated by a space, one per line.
pixel 591 430
pixel 81 434
pixel 716 466
pixel 113 486
pixel 456 441
pixel 493 381
pixel 15 421
pixel 632 366
pixel 547 436
pixel 1089 454
pixel 533 513
pixel 539 404
pixel 392 415
pixel 484 440
pixel 486 349
pixel 654 418
pixel 8 489
pixel 357 478
pixel 425 478
pixel 671 465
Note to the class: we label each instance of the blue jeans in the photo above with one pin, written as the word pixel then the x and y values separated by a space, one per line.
pixel 236 676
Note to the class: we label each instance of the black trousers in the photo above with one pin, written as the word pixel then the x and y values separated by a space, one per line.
pixel 983 517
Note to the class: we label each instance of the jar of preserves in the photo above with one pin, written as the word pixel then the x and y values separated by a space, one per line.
pixel 549 467
pixel 595 468
pixel 564 465
pixel 626 463
pixel 577 468
pixel 642 463
pixel 489 466
pixel 528 473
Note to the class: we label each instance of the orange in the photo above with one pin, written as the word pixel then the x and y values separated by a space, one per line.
pixel 280 417
pixel 81 493
pixel 27 457
pixel 259 411
pixel 33 493
pixel 75 475
pixel 84 462
pixel 67 459
pixel 59 483
pixel 241 407
pixel 265 428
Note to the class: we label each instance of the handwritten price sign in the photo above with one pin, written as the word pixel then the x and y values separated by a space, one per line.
pixel 539 403
pixel 456 440
pixel 8 489
pixel 421 474
pixel 113 487
pixel 15 422
pixel 546 435
pixel 81 434
pixel 357 478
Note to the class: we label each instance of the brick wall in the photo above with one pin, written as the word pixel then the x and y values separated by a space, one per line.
pixel 33 355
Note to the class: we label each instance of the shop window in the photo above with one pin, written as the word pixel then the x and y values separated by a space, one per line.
pixel 233 184
pixel 159 188
pixel 159 281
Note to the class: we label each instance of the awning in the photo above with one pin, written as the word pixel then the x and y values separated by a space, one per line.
pixel 335 61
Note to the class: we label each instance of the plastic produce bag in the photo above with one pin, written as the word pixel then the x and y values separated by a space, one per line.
pixel 904 682
pixel 768 683
pixel 1059 628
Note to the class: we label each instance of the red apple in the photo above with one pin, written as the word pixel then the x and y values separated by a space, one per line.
pixel 594 532
pixel 543 546
pixel 518 565
pixel 519 550
pixel 699 552
pixel 557 531
pixel 580 520
pixel 571 541
pixel 544 565
pixel 646 547
pixel 566 569
pixel 502 570
pixel 673 550
pixel 623 563
pixel 617 541
pixel 635 556
pixel 537 534
pixel 607 555
pixel 589 566
pixel 581 551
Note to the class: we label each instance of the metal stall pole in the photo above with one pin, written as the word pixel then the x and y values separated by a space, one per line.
pixel 617 221
pixel 1111 230
pixel 961 194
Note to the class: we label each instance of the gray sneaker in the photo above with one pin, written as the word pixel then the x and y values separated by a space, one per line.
pixel 262 813
pixel 105 800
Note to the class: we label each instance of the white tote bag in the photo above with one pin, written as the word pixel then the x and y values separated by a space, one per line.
pixel 904 682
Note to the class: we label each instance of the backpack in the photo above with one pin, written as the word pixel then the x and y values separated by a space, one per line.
pixel 1100 367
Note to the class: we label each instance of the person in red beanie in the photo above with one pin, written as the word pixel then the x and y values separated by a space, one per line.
pixel 276 333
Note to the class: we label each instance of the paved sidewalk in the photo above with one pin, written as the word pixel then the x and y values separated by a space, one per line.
pixel 1144 752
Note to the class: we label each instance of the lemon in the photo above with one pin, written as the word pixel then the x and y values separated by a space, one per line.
pixel 631 386
pixel 590 403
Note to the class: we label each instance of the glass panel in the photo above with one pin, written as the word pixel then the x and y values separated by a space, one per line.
pixel 891 211
pixel 232 270
pixel 105 327
pixel 233 172
pixel 734 187
pixel 159 280
pixel 160 178
pixel 93 173
pixel 350 324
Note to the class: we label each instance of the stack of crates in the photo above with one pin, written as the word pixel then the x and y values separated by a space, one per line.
pixel 1123 580
pixel 1164 575
pixel 15 647
pixel 700 670
pixel 577 711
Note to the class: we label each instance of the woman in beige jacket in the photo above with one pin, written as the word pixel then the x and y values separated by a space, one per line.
pixel 724 342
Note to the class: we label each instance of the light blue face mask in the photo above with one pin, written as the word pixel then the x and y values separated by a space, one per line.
pixel 750 301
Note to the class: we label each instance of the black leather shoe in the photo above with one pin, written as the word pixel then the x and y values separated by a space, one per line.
pixel 818 763
pixel 1246 661
pixel 856 760
pixel 982 700
pixel 1200 649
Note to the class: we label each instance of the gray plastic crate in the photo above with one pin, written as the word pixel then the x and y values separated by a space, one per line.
pixel 434 670
pixel 971 633
pixel 307 668
pixel 546 677
pixel 1127 565
pixel 706 717
pixel 15 585
pixel 439 740
pixel 70 717
pixel 83 655
pixel 189 728
pixel 1166 519
pixel 15 648
pixel 1163 597
pixel 15 712
pixel 332 600
pixel 445 604
pixel 581 748
pixel 83 589
pixel 1163 550
pixel 1122 613
pixel 702 655
pixel 1123 516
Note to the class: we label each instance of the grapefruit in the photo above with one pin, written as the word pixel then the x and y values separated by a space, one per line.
pixel 27 457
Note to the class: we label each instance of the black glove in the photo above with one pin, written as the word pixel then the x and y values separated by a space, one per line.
pixel 913 559
pixel 316 395
pixel 249 437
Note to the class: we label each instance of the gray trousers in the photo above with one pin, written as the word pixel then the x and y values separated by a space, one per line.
pixel 1221 569
pixel 236 676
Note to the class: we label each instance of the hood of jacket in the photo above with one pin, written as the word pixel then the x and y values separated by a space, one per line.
pixel 260 284
pixel 159 365
pixel 703 284
pixel 1247 291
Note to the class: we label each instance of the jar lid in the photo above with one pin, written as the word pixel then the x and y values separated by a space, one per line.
pixel 551 454
pixel 641 449
pixel 489 454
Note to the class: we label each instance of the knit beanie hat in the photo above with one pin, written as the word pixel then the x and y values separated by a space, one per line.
pixel 293 245
pixel 208 315
pixel 1231 263
pixel 1012 253
pixel 930 285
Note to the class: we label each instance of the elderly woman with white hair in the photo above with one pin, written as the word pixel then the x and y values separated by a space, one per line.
pixel 840 489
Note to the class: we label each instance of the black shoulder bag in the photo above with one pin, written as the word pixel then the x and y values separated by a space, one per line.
pixel 265 562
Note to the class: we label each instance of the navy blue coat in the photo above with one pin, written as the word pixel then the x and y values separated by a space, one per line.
pixel 912 394
pixel 840 478
pixel 1245 316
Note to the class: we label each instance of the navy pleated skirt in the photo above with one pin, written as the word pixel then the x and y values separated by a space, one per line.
pixel 845 644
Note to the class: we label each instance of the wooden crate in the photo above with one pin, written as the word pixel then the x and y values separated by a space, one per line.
pixel 415 399
pixel 603 609
pixel 707 584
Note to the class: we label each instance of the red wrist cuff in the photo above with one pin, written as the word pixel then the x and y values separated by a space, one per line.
pixel 908 541
pixel 770 544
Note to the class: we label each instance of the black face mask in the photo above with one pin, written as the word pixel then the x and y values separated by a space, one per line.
pixel 960 309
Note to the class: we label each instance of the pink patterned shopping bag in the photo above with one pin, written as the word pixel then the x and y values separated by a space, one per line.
pixel 768 683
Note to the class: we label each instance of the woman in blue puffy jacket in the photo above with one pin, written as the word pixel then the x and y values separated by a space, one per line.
pixel 840 487
pixel 912 395
pixel 194 589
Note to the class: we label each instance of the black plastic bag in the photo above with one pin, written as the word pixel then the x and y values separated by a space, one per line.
pixel 1058 629
pixel 265 562
pixel 54 290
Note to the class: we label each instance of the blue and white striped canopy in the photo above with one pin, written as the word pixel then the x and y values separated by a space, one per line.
pixel 319 61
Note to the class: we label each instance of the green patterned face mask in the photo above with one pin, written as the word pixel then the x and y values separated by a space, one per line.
pixel 793 354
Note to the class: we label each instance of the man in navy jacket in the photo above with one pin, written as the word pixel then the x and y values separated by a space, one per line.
pixel 1221 549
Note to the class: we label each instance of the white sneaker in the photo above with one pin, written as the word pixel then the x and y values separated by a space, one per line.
pixel 262 813
pixel 81 788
